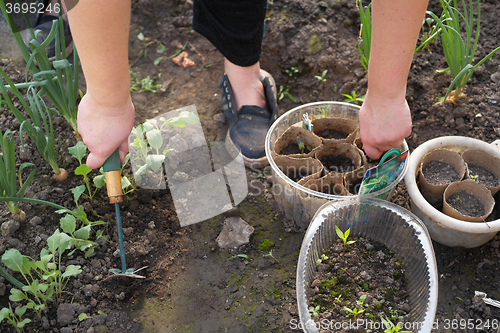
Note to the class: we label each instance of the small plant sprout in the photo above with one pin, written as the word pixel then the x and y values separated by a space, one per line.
pixel 473 177
pixel 270 254
pixel 242 255
pixel 314 310
pixel 343 236
pixel 459 47
pixel 282 93
pixel 15 317
pixel 321 259
pixel 354 312
pixel 10 176
pixel 302 146
pixel 322 77
pixel 354 99
pixel 361 301
pixel 292 71
pixel 142 85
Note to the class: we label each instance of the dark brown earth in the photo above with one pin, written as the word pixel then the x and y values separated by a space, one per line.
pixel 190 285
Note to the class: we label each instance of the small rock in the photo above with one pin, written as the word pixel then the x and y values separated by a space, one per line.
pixel 235 232
pixel 65 314
pixel 99 320
pixel 36 220
pixel 10 227
pixel 220 118
pixel 316 283
pixel 495 77
pixel 67 330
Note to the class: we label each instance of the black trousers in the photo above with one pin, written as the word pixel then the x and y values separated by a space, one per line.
pixel 234 27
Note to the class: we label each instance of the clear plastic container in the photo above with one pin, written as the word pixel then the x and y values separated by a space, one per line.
pixel 296 201
pixel 382 221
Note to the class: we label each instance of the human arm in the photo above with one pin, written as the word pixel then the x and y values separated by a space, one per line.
pixel 100 31
pixel 385 118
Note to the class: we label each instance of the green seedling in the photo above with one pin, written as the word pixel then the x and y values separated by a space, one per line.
pixel 365 33
pixel 321 259
pixel 354 99
pixel 145 84
pixel 15 317
pixel 354 312
pixel 429 32
pixel 473 177
pixel 302 146
pixel 314 311
pixel 322 77
pixel 58 79
pixel 282 93
pixel 270 254
pixel 361 301
pixel 146 43
pixel 11 176
pixel 292 71
pixel 344 236
pixel 459 46
pixel 244 256
pixel 390 327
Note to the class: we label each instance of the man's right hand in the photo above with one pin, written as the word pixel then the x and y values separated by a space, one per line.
pixel 104 129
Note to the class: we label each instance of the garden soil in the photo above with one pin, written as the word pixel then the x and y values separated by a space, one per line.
pixel 193 286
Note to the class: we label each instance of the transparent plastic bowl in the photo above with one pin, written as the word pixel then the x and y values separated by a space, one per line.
pixel 296 201
pixel 382 221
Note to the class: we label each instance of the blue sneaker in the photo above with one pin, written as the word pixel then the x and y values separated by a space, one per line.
pixel 248 126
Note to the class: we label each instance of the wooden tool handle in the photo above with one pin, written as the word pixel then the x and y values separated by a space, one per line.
pixel 112 173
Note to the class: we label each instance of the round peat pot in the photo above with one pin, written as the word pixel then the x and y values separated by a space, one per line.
pixel 296 201
pixel 443 228
pixel 380 221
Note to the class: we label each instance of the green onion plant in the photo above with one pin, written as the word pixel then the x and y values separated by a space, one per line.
pixel 37 125
pixel 459 46
pixel 58 79
pixel 365 33
pixel 10 175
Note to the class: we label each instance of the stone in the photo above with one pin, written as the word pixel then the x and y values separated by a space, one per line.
pixel 235 233
pixel 10 227
pixel 65 314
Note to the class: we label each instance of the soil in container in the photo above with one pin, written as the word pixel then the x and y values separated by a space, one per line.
pixel 333 134
pixel 366 283
pixel 439 173
pixel 338 163
pixel 294 148
pixel 482 175
pixel 466 203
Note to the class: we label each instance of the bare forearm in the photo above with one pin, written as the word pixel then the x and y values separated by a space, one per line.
pixel 100 29
pixel 395 29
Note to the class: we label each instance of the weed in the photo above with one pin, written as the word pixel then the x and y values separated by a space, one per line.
pixel 354 312
pixel 285 93
pixel 314 311
pixel 322 78
pixel 292 71
pixel 321 259
pixel 353 98
pixel 145 84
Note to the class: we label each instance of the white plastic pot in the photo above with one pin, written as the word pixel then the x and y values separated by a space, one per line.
pixel 442 228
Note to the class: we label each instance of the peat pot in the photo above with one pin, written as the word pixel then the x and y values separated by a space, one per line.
pixel 300 203
pixel 381 221
pixel 444 229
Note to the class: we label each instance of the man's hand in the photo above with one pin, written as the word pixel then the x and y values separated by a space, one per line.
pixel 104 129
pixel 383 124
